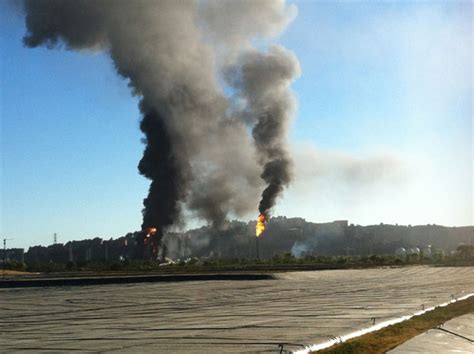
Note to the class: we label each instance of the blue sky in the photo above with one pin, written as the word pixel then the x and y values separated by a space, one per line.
pixel 383 131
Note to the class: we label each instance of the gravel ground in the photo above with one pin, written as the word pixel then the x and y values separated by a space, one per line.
pixel 219 316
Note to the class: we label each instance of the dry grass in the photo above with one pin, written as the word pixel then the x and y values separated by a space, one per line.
pixel 392 336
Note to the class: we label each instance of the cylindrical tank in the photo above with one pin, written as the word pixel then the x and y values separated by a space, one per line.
pixel 401 253
pixel 427 252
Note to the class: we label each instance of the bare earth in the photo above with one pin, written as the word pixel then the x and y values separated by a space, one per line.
pixel 219 316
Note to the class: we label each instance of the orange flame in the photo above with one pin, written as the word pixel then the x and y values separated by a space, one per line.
pixel 151 231
pixel 261 223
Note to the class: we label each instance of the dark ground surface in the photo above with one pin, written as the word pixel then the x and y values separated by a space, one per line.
pixel 90 279
pixel 297 308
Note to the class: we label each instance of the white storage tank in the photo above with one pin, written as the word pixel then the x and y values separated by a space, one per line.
pixel 401 253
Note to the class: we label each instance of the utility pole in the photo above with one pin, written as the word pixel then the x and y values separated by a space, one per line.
pixel 250 247
pixel 5 254
pixel 106 251
pixel 372 242
pixel 183 244
pixel 256 240
pixel 70 252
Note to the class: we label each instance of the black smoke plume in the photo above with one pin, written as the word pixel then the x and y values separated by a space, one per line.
pixel 160 166
pixel 262 80
pixel 198 152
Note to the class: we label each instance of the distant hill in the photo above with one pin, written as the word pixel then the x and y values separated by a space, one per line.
pixel 283 235
pixel 301 237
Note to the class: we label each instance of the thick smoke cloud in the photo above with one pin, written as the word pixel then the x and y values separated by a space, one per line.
pixel 232 25
pixel 158 164
pixel 262 80
pixel 198 150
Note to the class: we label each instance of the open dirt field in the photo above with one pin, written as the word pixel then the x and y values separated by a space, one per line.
pixel 219 316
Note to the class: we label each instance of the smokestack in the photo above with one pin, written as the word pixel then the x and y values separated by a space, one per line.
pixel 198 153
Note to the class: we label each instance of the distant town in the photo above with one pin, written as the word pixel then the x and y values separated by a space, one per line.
pixel 284 237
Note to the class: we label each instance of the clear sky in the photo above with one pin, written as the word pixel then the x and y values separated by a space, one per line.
pixel 383 131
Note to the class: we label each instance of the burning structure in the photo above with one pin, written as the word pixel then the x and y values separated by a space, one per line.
pixel 206 151
pixel 151 243
pixel 260 226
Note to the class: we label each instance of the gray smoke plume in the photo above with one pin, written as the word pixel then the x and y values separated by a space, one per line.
pixel 263 80
pixel 198 152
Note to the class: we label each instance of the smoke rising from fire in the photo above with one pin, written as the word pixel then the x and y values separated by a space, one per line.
pixel 198 150
pixel 262 80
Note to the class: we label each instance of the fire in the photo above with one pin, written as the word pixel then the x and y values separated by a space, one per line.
pixel 151 231
pixel 260 227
